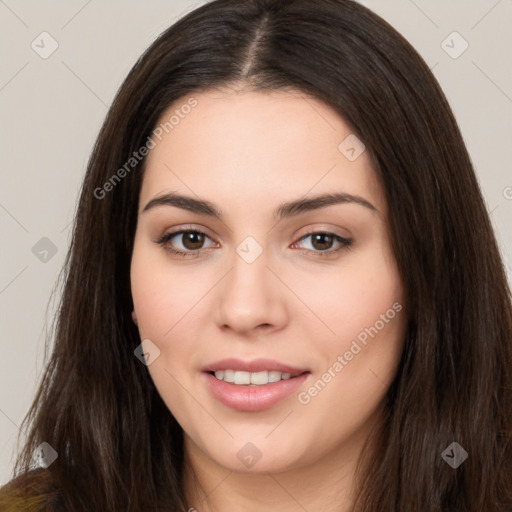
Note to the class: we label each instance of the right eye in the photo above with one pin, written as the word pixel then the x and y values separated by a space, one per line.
pixel 190 242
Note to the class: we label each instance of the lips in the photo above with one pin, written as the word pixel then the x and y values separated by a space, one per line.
pixel 253 398
pixel 256 365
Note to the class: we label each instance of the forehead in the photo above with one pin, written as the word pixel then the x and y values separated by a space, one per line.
pixel 257 145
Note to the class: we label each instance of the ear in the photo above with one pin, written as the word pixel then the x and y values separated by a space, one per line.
pixel 134 318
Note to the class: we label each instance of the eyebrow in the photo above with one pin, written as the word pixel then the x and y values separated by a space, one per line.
pixel 285 210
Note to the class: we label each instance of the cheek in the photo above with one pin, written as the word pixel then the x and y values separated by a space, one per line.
pixel 167 299
pixel 162 296
pixel 353 295
pixel 363 306
pixel 357 370
pixel 162 293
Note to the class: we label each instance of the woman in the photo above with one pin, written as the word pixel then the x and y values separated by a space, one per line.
pixel 283 290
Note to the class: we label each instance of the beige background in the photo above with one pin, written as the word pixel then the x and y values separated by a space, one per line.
pixel 52 108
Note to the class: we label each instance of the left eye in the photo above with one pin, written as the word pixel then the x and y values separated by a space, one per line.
pixel 322 242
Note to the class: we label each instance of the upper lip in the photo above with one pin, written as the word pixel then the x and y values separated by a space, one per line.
pixel 256 365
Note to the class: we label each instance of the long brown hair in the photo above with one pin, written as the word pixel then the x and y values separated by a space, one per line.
pixel 119 447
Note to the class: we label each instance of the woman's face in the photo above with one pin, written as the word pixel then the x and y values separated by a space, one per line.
pixel 242 180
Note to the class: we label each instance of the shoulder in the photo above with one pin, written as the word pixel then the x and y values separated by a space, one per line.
pixel 30 492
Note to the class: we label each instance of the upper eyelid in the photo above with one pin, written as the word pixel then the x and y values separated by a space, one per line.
pixel 180 231
pixel 184 229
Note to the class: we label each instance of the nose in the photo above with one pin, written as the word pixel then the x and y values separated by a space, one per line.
pixel 250 298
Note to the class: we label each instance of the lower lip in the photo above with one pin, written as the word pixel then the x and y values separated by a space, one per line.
pixel 252 397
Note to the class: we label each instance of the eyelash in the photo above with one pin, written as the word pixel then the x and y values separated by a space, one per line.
pixel 346 243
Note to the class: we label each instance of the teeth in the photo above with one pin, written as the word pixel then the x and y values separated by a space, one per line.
pixel 229 376
pixel 259 378
pixel 242 378
pixel 274 376
pixel 256 378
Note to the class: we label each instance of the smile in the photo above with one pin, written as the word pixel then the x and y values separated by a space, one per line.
pixel 241 378
pixel 250 397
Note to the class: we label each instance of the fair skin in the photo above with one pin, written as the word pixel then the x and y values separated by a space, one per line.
pixel 248 153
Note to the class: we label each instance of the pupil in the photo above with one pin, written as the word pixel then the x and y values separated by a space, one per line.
pixel 190 240
pixel 319 237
